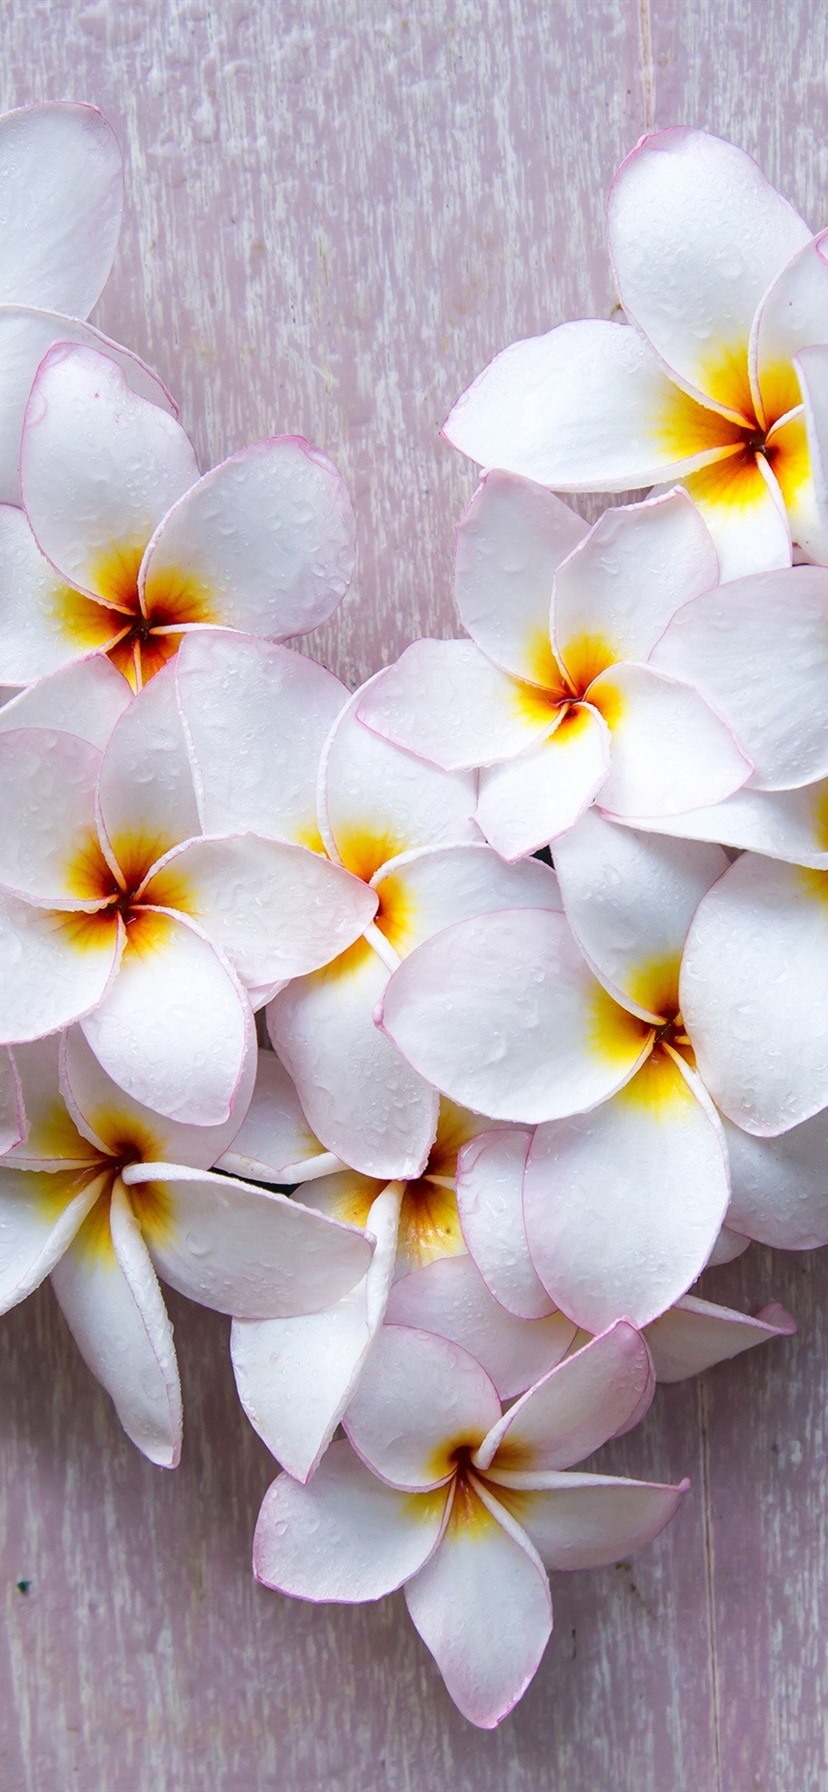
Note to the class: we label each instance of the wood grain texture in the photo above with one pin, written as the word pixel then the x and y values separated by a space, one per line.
pixel 337 212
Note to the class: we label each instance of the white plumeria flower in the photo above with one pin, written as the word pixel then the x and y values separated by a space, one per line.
pixel 568 704
pixel 122 547
pixel 295 1377
pixel 575 1027
pixel 406 829
pixel 103 1193
pixel 466 1507
pixel 712 380
pixel 117 911
pixel 62 183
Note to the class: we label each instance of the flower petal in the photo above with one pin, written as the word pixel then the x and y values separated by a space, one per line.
pixel 114 1122
pixel 295 1377
pixel 534 799
pixel 623 1205
pixel 587 1521
pixel 616 593
pixel 695 1334
pixel 377 801
pixel 728 645
pixel 422 892
pixel 175 1027
pixel 754 994
pixel 598 1392
pixel 267 537
pixel 48 782
pixel 239 1249
pixel 447 703
pixel 781 824
pixel 588 407
pixel 482 1607
pixel 490 1204
pixel 274 1138
pixel 668 750
pixel 510 542
pixel 26 335
pixel 360 1097
pixel 630 899
pixel 697 235
pixel 50 1139
pixel 62 182
pixel 57 967
pixel 107 1288
pixel 146 795
pixel 790 317
pixel 257 717
pixel 811 367
pixel 41 1213
pixel 99 467
pixel 742 505
pixel 345 1536
pixel 85 699
pixel 275 910
pixel 728 1247
pixel 450 1298
pixel 535 1038
pixel 779 1187
pixel 45 625
pixel 420 1399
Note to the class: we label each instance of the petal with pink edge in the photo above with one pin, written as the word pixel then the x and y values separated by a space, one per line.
pixel 732 645
pixel 26 335
pixel 695 1334
pixel 741 502
pixel 754 993
pixel 447 703
pixel 57 967
pixel 623 1205
pixel 377 801
pixel 630 899
pixel 345 1537
pixel 811 367
pixel 114 1122
pixel 668 751
pixel 99 467
pixel 424 891
pixel 589 1397
pixel 511 540
pixel 41 1213
pixel 274 1138
pixel 360 1097
pixel 109 1294
pixel 146 795
pixel 295 1377
pixel 85 699
pixel 790 317
pixel 490 1204
pixel 49 851
pixel 267 538
pixel 175 1027
pixel 587 1521
pixel 50 1139
pixel 534 799
pixel 44 624
pixel 61 177
pixel 450 1298
pixel 535 1038
pixel 276 910
pixel 779 1187
pixel 697 235
pixel 420 1399
pixel 588 407
pixel 257 717
pixel 482 1607
pixel 781 824
pixel 617 592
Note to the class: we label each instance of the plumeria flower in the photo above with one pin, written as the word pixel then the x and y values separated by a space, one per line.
pixel 118 911
pixel 724 288
pixel 406 829
pixel 62 183
pixel 296 1376
pixel 105 1196
pixel 122 547
pixel 567 705
pixel 575 1028
pixel 438 1491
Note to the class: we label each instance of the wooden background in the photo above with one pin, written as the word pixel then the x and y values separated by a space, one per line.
pixel 337 211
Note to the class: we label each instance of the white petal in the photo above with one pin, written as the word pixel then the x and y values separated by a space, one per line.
pixel 695 1334
pixel 490 1204
pixel 61 178
pixel 450 1298
pixel 510 542
pixel 535 798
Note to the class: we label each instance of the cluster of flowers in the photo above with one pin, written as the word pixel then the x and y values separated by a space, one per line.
pixel 495 1117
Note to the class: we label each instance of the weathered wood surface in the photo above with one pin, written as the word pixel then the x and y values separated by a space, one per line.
pixel 337 211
